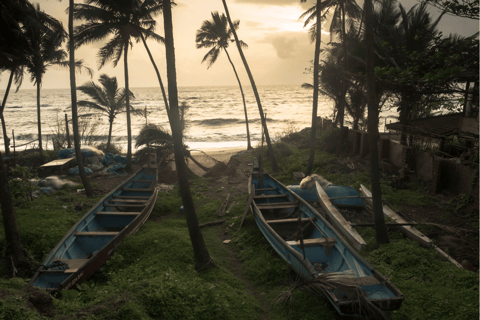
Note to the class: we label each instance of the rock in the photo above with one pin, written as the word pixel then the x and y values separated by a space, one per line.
pixel 217 171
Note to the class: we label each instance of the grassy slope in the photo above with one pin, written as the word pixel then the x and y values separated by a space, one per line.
pixel 152 276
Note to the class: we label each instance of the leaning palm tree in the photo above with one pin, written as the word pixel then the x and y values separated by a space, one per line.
pixel 217 35
pixel 119 21
pixel 203 261
pixel 273 160
pixel 108 99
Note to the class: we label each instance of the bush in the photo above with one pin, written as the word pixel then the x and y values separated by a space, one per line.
pixel 114 149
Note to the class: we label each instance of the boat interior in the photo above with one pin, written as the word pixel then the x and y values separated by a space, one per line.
pixel 103 223
pixel 299 227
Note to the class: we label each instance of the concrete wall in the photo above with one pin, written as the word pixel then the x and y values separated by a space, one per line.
pixel 455 177
pixel 424 165
pixel 395 153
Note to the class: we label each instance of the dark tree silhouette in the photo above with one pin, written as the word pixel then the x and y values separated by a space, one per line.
pixel 202 257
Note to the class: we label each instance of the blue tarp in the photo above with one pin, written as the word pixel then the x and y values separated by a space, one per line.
pixel 75 171
pixel 108 159
pixel 120 159
pixel 116 167
pixel 47 190
pixel 66 153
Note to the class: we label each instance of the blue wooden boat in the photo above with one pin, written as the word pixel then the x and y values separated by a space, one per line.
pixel 93 239
pixel 280 214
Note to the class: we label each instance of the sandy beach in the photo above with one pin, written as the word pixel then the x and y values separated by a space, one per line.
pixel 205 158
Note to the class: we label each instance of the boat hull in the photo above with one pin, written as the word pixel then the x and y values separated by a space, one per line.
pixel 318 251
pixel 93 239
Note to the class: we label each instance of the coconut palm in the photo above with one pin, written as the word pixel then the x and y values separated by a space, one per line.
pixel 217 35
pixel 108 99
pixel 318 40
pixel 341 9
pixel 125 20
pixel 47 52
pixel 203 261
pixel 273 160
pixel 157 138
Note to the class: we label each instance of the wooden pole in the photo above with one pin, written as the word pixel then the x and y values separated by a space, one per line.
pixel 13 136
pixel 68 133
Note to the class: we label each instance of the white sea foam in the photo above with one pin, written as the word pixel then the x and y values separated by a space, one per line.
pixel 215 119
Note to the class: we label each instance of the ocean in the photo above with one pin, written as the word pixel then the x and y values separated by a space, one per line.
pixel 215 118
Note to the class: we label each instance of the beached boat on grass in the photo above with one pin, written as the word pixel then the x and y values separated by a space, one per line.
pixel 93 239
pixel 313 248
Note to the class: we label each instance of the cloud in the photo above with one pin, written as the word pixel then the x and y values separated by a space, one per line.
pixel 290 45
pixel 253 24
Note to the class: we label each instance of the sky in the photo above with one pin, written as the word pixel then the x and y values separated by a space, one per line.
pixel 279 47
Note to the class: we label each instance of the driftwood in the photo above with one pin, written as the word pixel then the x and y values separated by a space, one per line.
pixel 221 212
pixel 213 223
pixel 230 207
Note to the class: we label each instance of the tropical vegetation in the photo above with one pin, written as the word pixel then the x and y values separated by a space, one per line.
pixel 108 99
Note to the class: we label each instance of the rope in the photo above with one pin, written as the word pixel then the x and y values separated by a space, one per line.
pixel 205 265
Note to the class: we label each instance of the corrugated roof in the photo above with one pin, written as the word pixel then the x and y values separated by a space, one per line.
pixel 432 126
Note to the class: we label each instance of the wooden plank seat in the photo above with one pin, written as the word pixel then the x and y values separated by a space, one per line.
pixel 73 265
pixel 359 281
pixel 128 200
pixel 271 196
pixel 138 189
pixel 278 205
pixel 267 189
pixel 317 242
pixel 131 197
pixel 95 233
pixel 124 205
pixel 146 181
pixel 294 220
pixel 118 213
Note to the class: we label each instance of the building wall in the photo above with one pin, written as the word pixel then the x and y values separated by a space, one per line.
pixel 395 153
pixel 424 165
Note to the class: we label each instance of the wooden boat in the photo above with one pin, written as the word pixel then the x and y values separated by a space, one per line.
pixel 93 239
pixel 280 214
pixel 337 220
pixel 408 231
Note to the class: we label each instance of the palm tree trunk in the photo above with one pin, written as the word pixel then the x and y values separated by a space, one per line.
pixel 6 140
pixel 39 122
pixel 200 252
pixel 73 97
pixel 128 167
pixel 198 163
pixel 249 145
pixel 12 233
pixel 316 61
pixel 341 111
pixel 380 231
pixel 109 136
pixel 165 100
pixel 255 91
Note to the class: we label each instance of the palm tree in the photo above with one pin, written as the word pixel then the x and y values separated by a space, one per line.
pixel 380 230
pixel 124 19
pixel 203 260
pixel 318 40
pixel 254 88
pixel 342 9
pixel 217 35
pixel 156 137
pixel 73 97
pixel 47 52
pixel 108 99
